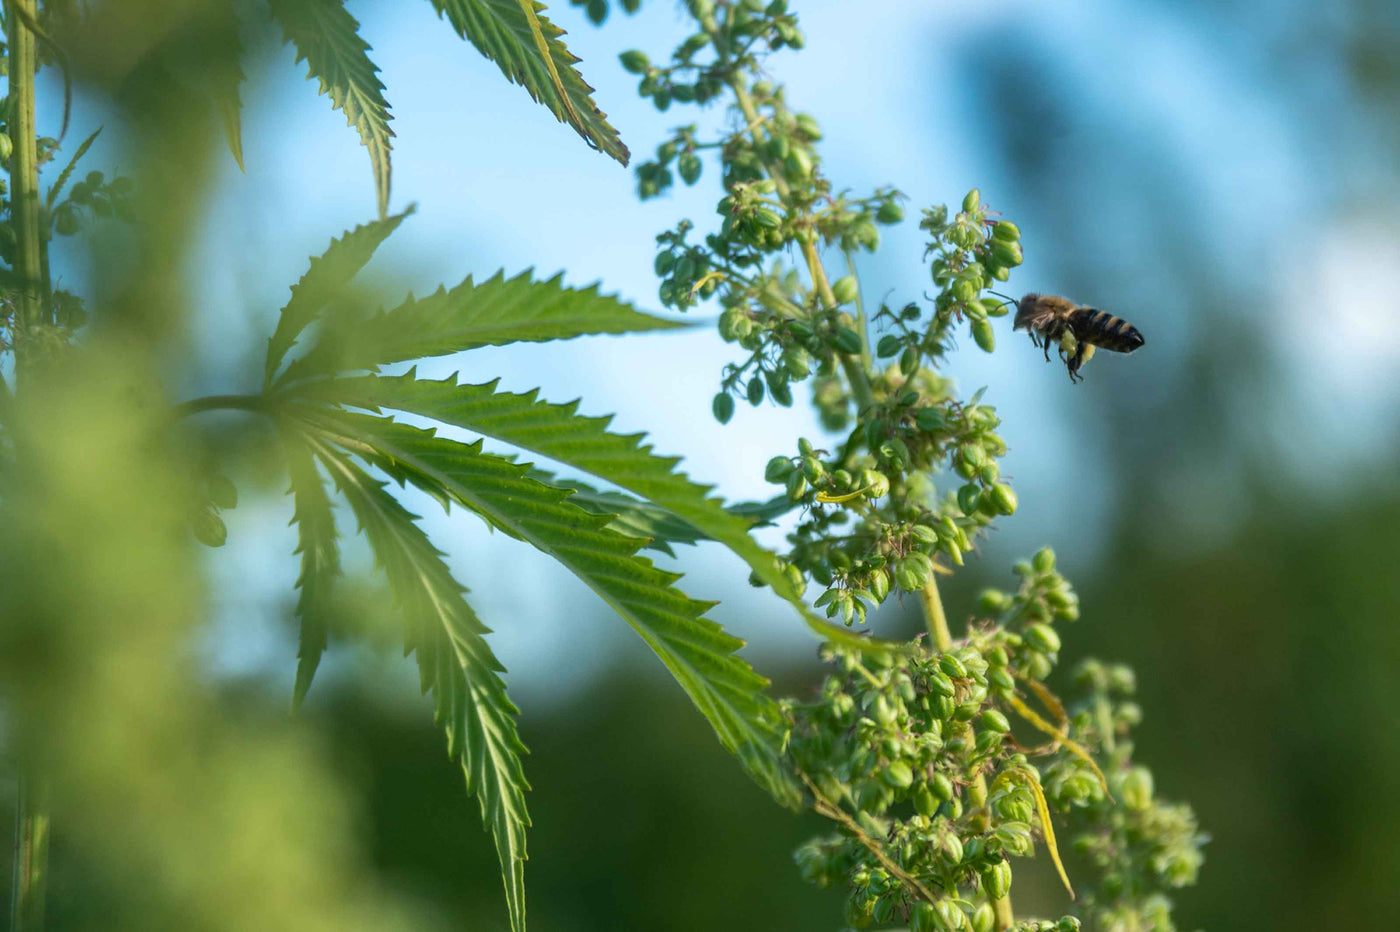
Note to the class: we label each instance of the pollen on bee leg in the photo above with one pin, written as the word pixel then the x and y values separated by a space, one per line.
pixel 1068 343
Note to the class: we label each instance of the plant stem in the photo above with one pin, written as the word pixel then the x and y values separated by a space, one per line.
pixel 30 869
pixel 219 403
pixel 24 178
pixel 937 622
pixel 853 365
pixel 30 875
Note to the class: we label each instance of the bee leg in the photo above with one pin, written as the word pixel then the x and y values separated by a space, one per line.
pixel 1075 362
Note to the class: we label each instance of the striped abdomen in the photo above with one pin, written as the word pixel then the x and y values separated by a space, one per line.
pixel 1103 330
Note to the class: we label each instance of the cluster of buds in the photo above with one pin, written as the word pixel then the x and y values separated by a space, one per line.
pixel 908 748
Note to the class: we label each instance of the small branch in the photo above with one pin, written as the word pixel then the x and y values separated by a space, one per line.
pixel 256 403
pixel 830 810
pixel 24 177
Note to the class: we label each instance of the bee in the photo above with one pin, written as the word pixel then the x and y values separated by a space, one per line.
pixel 1077 329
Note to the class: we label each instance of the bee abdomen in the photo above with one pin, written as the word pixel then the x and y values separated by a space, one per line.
pixel 1105 331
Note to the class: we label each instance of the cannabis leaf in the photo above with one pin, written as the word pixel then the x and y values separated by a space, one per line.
pixel 495 312
pixel 320 558
pixel 327 38
pixel 528 49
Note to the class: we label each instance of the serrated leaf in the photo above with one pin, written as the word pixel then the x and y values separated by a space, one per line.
pixel 495 312
pixel 57 188
pixel 328 39
pixel 221 60
pixel 559 432
pixel 697 651
pixel 327 274
pixel 529 51
pixel 320 559
pixel 454 661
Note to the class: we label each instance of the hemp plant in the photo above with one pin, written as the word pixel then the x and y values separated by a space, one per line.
pixel 908 746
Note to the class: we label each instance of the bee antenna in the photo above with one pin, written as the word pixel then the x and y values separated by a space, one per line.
pixel 1002 296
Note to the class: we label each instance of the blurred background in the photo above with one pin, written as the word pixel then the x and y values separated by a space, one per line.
pixel 1227 499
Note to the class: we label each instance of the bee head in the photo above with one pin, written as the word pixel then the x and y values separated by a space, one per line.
pixel 1025 311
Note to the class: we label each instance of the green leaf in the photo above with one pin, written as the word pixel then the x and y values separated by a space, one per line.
pixel 454 661
pixel 495 312
pixel 324 278
pixel 528 50
pixel 221 61
pixel 560 433
pixel 643 519
pixel 67 172
pixel 320 559
pixel 328 39
pixel 697 651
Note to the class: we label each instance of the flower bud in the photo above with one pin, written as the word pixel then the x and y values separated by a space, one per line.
pixel 689 167
pixel 845 289
pixel 1044 560
pixel 898 775
pixel 1137 789
pixel 985 336
pixel 723 407
pixel 889 212
pixel 889 345
pixel 796 484
pixel 777 469
pixel 1006 231
pixel 952 667
pixel 848 341
pixel 634 61
pixel 993 720
pixel 972 201
pixel 1043 638
pixel 996 880
pixel 1003 498
pixel 984 918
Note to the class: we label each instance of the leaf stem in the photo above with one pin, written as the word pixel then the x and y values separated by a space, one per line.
pixel 220 403
pixel 853 365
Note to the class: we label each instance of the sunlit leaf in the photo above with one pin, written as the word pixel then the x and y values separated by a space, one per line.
pixel 328 39
pixel 454 661
pixel 324 278
pixel 495 312
pixel 529 51
pixel 697 651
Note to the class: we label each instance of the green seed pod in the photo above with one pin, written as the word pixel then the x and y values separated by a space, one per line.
pixel 597 11
pixel 777 469
pixel 923 918
pixel 951 914
pixel 7 147
pixel 992 720
pixel 1136 791
pixel 912 574
pixel 1001 273
pixel 929 419
pixel 1007 254
pixel 983 918
pixel 967 497
pixel 689 167
pixel 984 335
pixel 663 263
pixel 796 486
pixel 889 345
pixel 1044 560
pixel 972 201
pixel 1001 680
pixel 952 666
pixel 209 529
pixel 779 147
pixel 1015 837
pixel 996 880
pixel 923 533
pixel 634 61
pixel 795 579
pixel 1004 499
pixel 993 601
pixel 662 99
pixel 797 165
pixel 1006 231
pixel 909 361
pixel 723 407
pixel 952 847
pixel 889 212
pixel 964 289
pixel 797 363
pixel 898 775
pixel 879 584
pixel 940 685
pixel 941 786
pixel 755 391
pixel 781 393
pixel 882 711
pixel 808 125
pixel 845 289
pixel 1043 638
pixel 924 802
pixel 848 341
